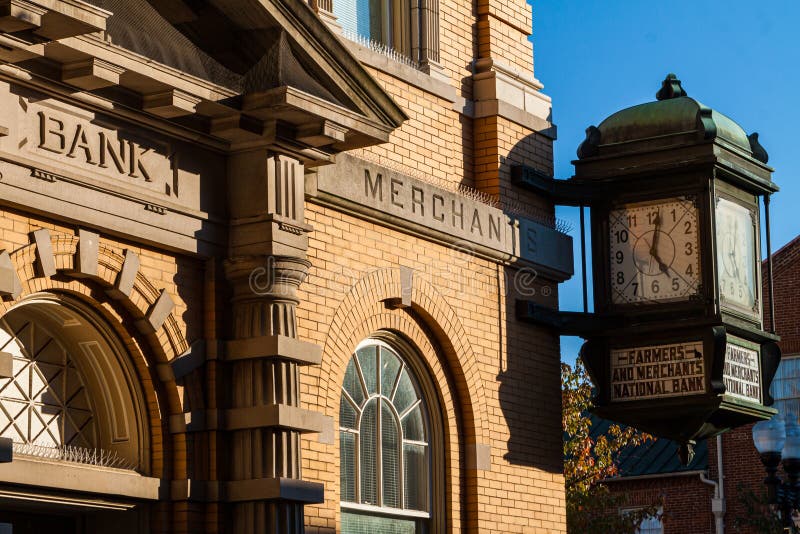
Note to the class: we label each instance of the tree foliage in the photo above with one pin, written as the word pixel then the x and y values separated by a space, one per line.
pixel 758 515
pixel 589 461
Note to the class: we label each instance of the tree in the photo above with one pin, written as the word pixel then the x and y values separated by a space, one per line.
pixel 589 461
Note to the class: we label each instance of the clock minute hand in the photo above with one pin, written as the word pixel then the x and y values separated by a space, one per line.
pixel 654 246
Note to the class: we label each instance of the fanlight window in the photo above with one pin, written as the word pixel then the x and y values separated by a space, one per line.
pixel 45 403
pixel 384 440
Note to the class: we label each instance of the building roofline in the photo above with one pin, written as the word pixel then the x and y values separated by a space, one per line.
pixel 655 475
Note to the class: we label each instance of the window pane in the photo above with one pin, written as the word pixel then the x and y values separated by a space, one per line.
pixel 346 14
pixel 416 471
pixel 413 425
pixel 347 469
pixel 347 414
pixel 369 367
pixel 352 384
pixel 367 443
pixel 376 24
pixel 406 394
pixel 785 388
pixel 390 366
pixel 365 524
pixel 391 458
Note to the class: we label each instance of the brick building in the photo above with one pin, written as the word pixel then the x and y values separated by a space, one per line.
pixel 259 265
pixel 692 504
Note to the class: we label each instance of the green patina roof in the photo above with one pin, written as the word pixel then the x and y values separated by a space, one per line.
pixel 667 117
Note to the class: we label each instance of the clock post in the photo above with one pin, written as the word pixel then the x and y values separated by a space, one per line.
pixel 676 345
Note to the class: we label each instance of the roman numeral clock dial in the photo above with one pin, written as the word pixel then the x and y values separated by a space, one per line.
pixel 654 255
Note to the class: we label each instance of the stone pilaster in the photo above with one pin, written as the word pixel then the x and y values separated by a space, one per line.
pixel 264 421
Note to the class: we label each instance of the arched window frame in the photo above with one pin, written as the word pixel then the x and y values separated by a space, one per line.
pixel 432 520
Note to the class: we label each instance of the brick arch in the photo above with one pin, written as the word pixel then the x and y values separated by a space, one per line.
pixel 127 313
pixel 358 314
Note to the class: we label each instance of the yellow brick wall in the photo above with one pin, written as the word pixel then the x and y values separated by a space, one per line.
pixel 434 142
pixel 354 266
pixel 499 379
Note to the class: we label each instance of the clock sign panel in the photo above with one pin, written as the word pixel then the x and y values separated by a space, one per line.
pixel 653 251
pixel 656 371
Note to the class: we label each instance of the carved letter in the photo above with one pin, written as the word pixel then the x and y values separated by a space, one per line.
pixel 136 167
pixel 417 201
pixel 494 227
pixel 476 223
pixel 81 142
pixel 51 139
pixel 396 191
pixel 370 187
pixel 107 148
pixel 441 201
pixel 459 213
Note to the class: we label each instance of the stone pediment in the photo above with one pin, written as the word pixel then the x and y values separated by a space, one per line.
pixel 247 72
pixel 263 46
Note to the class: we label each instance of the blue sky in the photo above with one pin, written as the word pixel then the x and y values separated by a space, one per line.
pixel 739 57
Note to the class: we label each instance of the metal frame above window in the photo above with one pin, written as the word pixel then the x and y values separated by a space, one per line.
pixel 386 461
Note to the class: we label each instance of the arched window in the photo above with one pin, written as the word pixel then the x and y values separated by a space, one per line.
pixel 384 432
pixel 72 395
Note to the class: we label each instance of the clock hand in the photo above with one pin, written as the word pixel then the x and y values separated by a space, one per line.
pixel 654 246
pixel 656 231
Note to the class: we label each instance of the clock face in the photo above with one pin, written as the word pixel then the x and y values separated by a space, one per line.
pixel 654 252
pixel 736 255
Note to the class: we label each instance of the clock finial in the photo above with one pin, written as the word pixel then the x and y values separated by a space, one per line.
pixel 670 88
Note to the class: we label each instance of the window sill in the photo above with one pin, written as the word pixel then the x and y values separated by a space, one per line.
pixel 54 475
pixel 383 510
pixel 421 80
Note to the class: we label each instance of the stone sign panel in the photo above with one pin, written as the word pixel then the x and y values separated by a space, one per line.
pixel 742 372
pixel 657 371
pixel 89 165
pixel 409 203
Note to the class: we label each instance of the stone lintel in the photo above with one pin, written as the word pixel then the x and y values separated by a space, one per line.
pixel 269 237
pixel 19 15
pixel 88 252
pixel 90 74
pixel 170 103
pixel 52 20
pixel 10 285
pixel 286 489
pixel 6 365
pixel 79 478
pixel 275 346
pixel 274 415
pixel 15 50
pixel 321 133
pixel 45 260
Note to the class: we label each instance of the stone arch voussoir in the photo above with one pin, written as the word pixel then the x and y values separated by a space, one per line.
pixel 108 279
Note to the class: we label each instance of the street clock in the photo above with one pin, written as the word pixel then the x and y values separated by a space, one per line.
pixel 676 345
pixel 654 251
